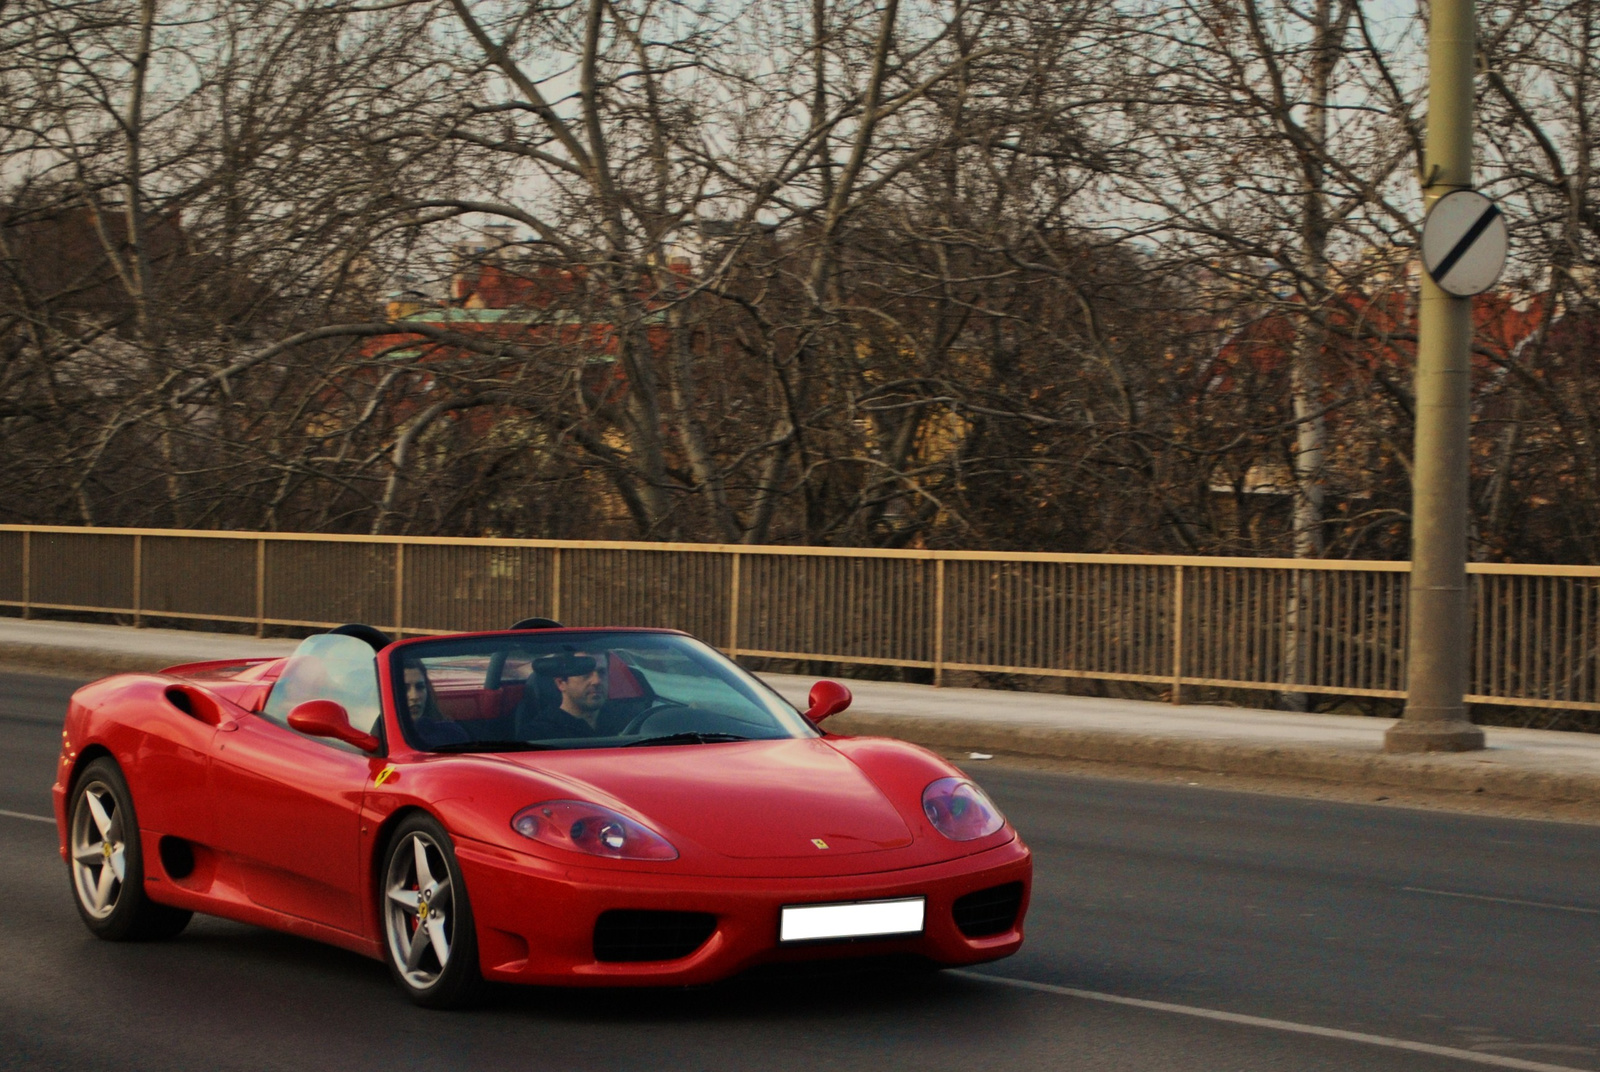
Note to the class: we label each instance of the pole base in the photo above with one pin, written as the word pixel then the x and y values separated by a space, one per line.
pixel 1431 735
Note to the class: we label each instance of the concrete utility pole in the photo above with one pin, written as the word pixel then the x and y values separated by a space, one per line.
pixel 1441 615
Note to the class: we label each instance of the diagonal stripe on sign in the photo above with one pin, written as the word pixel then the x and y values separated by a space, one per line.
pixel 1480 225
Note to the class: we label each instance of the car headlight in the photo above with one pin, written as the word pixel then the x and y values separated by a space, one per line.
pixel 960 810
pixel 584 827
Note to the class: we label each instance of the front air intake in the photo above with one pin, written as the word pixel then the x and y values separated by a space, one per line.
pixel 631 935
pixel 988 912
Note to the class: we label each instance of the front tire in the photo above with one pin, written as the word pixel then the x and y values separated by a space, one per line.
pixel 429 937
pixel 106 861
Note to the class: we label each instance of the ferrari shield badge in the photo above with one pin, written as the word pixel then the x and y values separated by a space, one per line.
pixel 819 843
pixel 386 774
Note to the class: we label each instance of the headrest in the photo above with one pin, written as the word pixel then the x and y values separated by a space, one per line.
pixel 374 636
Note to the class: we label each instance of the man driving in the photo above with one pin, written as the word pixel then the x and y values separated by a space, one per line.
pixel 582 685
pixel 585 691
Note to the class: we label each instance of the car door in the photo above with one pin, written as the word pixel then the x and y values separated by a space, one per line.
pixel 288 805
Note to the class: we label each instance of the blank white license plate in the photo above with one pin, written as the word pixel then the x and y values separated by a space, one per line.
pixel 861 919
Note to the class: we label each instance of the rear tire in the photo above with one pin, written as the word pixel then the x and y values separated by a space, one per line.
pixel 106 861
pixel 430 941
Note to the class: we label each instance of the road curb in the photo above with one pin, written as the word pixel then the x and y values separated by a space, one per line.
pixel 1454 772
pixel 77 662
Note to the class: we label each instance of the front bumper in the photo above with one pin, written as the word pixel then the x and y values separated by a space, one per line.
pixel 535 920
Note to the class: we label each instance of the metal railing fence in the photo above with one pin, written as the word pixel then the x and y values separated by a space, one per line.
pixel 1174 622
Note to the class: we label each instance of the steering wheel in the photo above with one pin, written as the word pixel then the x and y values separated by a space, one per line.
pixel 657 706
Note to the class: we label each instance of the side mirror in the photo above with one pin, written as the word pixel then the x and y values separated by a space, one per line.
pixel 325 718
pixel 827 698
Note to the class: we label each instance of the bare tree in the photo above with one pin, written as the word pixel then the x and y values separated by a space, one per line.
pixel 977 273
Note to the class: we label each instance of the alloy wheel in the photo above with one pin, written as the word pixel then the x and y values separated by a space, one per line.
pixel 99 849
pixel 418 910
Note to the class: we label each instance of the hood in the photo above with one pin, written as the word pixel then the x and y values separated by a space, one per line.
pixel 744 799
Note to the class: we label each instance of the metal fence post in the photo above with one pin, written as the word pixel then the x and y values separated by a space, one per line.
pixel 261 587
pixel 555 584
pixel 399 590
pixel 138 578
pixel 733 608
pixel 1177 634
pixel 27 575
pixel 938 623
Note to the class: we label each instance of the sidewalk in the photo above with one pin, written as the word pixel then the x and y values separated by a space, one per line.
pixel 1528 765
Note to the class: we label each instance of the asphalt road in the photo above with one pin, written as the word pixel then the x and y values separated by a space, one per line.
pixel 1467 933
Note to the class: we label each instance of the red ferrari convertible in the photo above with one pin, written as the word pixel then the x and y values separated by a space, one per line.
pixel 539 805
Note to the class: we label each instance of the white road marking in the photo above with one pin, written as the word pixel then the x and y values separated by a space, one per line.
pixel 1472 1056
pixel 25 815
pixel 1503 900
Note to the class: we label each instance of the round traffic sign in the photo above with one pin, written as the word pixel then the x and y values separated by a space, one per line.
pixel 1464 243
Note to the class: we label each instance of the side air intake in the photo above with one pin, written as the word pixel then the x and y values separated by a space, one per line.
pixel 988 912
pixel 630 935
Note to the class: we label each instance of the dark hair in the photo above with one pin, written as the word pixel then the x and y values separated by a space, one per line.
pixel 565 664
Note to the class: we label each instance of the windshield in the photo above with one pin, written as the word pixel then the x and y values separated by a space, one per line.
pixel 580 690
